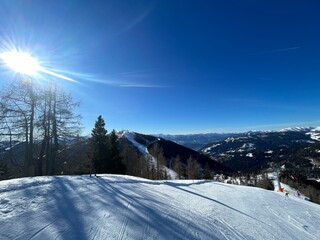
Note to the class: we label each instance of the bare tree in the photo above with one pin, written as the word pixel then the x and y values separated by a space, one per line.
pixel 31 114
pixel 177 167
pixel 161 161
pixel 18 105
pixel 193 169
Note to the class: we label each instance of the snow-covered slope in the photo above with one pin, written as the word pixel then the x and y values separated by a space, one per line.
pixel 315 134
pixel 124 207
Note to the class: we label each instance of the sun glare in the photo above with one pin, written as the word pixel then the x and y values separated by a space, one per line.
pixel 24 63
pixel 21 62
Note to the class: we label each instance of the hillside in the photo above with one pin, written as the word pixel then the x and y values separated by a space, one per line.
pixel 294 148
pixel 124 207
pixel 145 143
pixel 171 150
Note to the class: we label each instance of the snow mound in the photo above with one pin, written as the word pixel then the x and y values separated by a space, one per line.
pixel 125 207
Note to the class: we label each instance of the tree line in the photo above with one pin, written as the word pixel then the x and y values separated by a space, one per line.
pixel 41 129
pixel 109 156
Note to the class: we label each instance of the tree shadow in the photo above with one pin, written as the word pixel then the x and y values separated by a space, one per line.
pixel 213 200
pixel 110 207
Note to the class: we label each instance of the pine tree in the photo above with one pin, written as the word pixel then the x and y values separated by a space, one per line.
pixel 114 162
pixel 98 146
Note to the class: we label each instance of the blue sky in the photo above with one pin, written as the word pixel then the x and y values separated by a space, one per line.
pixel 177 66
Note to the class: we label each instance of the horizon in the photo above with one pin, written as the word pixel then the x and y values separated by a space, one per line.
pixel 175 67
pixel 227 132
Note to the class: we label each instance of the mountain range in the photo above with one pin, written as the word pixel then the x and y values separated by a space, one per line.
pixel 296 149
pixel 293 148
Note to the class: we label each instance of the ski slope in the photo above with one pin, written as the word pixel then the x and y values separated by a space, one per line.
pixel 125 207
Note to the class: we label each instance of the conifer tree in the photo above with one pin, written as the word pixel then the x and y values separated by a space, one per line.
pixel 98 146
pixel 114 162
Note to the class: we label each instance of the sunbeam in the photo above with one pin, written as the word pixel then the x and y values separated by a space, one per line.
pixel 25 63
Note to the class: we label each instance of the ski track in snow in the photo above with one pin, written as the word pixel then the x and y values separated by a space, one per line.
pixel 124 221
pixel 124 207
pixel 41 229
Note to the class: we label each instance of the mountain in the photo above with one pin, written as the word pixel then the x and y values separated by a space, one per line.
pixel 125 207
pixel 195 141
pixel 144 144
pixel 171 150
pixel 295 148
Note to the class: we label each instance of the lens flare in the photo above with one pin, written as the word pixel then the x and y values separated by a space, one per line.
pixel 21 62
pixel 24 63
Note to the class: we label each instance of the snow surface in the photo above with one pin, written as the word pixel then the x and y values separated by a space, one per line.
pixel 314 134
pixel 124 207
pixel 211 147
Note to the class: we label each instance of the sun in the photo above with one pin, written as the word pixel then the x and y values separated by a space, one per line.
pixel 21 62
pixel 24 63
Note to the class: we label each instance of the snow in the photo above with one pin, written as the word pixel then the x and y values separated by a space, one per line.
pixel 314 134
pixel 304 141
pixel 295 129
pixel 249 155
pixel 230 139
pixel 131 137
pixel 248 146
pixel 210 148
pixel 124 207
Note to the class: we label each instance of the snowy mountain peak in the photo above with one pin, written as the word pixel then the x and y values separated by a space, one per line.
pixel 296 129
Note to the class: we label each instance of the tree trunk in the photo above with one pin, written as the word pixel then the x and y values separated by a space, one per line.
pixel 30 155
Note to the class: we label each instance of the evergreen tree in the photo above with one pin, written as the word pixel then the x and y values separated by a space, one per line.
pixel 98 146
pixel 114 162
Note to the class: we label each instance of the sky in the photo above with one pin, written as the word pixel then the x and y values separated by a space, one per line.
pixel 175 66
